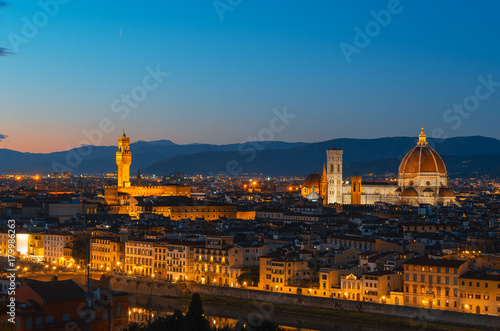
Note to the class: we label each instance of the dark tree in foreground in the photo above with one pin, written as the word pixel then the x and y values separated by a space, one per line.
pixel 195 317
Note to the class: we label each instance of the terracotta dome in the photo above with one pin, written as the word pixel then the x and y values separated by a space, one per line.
pixel 422 158
pixel 312 180
pixel 446 192
pixel 409 192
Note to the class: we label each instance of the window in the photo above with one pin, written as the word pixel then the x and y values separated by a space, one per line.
pixel 105 314
pixel 29 323
pixel 50 319
pixel 65 317
pixel 39 321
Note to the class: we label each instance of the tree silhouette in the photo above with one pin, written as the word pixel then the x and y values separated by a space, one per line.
pixel 195 317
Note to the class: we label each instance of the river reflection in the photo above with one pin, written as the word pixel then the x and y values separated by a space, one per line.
pixel 143 308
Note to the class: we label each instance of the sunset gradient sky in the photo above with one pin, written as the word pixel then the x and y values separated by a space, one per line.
pixel 227 75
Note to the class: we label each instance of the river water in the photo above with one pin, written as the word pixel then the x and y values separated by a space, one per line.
pixel 143 308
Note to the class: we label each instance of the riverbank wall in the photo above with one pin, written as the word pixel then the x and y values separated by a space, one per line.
pixel 265 302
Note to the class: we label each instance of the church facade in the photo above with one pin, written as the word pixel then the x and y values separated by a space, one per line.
pixel 422 179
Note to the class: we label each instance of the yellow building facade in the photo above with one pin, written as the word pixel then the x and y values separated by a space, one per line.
pixel 480 293
pixel 433 283
pixel 174 259
pixel 107 253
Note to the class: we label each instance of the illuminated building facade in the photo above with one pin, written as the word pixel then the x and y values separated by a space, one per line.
pixel 139 257
pixel 124 198
pixel 4 243
pixel 480 293
pixel 118 195
pixel 281 273
pixel 179 208
pixel 422 179
pixel 334 175
pixel 123 161
pixel 54 247
pixel 107 253
pixel 213 262
pixel 433 283
pixel 174 259
pixel 315 187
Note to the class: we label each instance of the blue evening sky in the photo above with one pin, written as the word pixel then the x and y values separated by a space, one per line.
pixel 227 75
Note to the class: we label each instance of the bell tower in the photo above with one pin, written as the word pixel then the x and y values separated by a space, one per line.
pixel 334 175
pixel 123 161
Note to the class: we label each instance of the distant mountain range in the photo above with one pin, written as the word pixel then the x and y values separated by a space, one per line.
pixel 463 156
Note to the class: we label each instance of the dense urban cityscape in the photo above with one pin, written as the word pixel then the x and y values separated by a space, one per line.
pixel 418 240
pixel 231 165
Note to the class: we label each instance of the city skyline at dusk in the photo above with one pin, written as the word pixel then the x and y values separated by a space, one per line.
pixel 230 165
pixel 208 73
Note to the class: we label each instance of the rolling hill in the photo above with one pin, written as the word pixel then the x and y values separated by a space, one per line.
pixel 462 155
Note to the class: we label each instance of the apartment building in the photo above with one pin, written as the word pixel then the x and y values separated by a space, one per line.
pixel 139 257
pixel 54 247
pixel 107 253
pixel 480 293
pixel 433 283
pixel 174 259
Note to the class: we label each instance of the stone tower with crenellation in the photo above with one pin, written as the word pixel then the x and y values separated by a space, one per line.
pixel 123 161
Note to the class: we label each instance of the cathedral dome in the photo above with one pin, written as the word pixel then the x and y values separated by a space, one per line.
pixel 422 159
pixel 312 180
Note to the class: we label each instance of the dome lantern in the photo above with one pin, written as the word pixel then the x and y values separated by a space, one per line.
pixel 422 138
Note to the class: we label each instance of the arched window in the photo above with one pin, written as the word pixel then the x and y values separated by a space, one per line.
pixel 65 317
